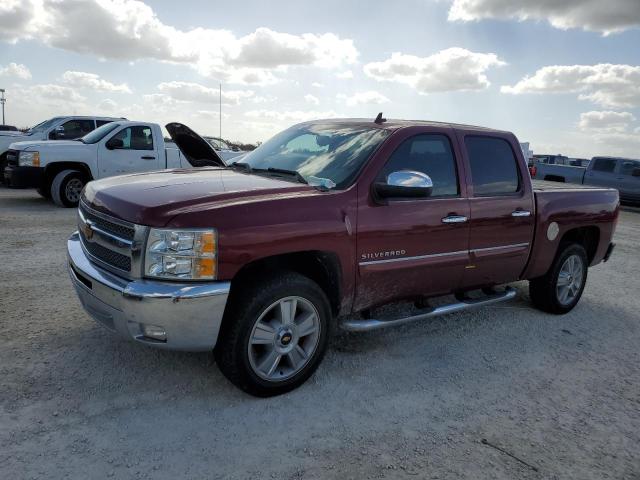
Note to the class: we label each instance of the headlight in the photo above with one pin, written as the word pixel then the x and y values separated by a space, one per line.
pixel 181 254
pixel 29 159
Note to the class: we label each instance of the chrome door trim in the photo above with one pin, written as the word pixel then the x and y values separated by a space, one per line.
pixel 417 257
pixel 501 247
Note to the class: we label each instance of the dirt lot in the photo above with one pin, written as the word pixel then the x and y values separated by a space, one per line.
pixel 561 394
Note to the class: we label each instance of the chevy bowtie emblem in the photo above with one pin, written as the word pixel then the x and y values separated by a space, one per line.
pixel 87 230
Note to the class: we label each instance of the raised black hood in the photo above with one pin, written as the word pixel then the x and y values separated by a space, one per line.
pixel 193 146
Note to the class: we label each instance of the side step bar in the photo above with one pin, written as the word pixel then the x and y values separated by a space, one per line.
pixel 352 325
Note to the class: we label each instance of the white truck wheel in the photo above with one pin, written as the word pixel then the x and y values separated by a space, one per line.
pixel 67 187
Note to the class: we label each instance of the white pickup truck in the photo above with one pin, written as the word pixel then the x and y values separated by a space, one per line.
pixel 60 169
pixel 56 128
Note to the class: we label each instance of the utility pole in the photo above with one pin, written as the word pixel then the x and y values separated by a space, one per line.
pixel 219 112
pixel 3 101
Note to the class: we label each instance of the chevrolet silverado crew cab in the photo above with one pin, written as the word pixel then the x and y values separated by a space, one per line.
pixel 56 128
pixel 60 169
pixel 319 227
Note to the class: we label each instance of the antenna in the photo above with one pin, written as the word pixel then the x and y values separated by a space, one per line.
pixel 379 120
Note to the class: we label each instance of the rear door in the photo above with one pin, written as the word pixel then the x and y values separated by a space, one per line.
pixel 628 185
pixel 602 172
pixel 130 149
pixel 409 247
pixel 501 205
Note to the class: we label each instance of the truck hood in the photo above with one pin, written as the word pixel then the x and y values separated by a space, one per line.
pixel 197 150
pixel 13 133
pixel 42 144
pixel 155 198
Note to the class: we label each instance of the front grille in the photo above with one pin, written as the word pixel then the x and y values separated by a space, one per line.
pixel 107 239
pixel 114 228
pixel 12 158
pixel 115 259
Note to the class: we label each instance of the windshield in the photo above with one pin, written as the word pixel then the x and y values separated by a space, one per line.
pixel 329 154
pixel 217 144
pixel 44 125
pixel 99 133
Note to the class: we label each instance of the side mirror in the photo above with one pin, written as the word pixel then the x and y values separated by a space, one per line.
pixel 57 133
pixel 635 172
pixel 114 144
pixel 405 184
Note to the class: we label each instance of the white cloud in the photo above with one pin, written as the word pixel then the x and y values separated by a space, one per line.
pixel 317 85
pixel 447 70
pixel 606 121
pixel 92 81
pixel 312 99
pixel 16 70
pixel 194 92
pixel 347 74
pixel 595 15
pixel 291 115
pixel 370 97
pixel 605 84
pixel 107 105
pixel 130 30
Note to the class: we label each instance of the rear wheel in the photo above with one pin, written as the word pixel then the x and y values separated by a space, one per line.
pixel 275 340
pixel 561 288
pixel 67 187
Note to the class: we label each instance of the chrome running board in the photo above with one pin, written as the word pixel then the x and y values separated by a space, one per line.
pixel 365 325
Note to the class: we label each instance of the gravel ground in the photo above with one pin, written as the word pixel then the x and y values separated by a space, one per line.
pixel 559 395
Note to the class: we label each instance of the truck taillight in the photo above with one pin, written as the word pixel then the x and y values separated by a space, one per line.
pixel 533 170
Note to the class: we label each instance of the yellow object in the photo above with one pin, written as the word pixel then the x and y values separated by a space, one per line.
pixel 205 268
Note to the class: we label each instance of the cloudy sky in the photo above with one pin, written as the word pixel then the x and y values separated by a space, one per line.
pixel 564 75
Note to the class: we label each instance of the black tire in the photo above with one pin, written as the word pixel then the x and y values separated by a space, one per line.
pixel 232 352
pixel 61 192
pixel 544 290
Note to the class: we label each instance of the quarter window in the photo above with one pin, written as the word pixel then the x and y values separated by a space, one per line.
pixel 136 138
pixel 494 168
pixel 430 154
pixel 604 164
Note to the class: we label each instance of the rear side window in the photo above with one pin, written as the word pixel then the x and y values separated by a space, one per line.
pixel 494 168
pixel 628 166
pixel 604 164
pixel 99 123
pixel 430 154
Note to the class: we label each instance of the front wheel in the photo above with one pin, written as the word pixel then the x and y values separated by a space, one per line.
pixel 67 187
pixel 276 336
pixel 561 288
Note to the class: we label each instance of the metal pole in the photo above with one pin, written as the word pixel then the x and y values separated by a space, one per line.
pixel 220 112
pixel 2 100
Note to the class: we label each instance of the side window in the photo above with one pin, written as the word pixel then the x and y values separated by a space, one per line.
pixel 628 166
pixel 135 138
pixel 604 164
pixel 494 167
pixel 99 123
pixel 430 154
pixel 75 129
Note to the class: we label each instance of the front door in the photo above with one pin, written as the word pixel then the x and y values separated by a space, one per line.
pixel 502 211
pixel 411 247
pixel 129 150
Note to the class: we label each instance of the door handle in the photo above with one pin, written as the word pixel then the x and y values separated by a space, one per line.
pixel 454 219
pixel 147 157
pixel 521 213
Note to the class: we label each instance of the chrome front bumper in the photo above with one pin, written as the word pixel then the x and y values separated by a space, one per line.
pixel 189 313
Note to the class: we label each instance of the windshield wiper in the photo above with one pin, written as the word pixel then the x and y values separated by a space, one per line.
pixel 293 173
pixel 243 166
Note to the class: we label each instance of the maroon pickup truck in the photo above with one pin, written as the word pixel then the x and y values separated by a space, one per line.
pixel 318 228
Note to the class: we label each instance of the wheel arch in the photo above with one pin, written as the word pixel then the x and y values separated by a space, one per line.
pixel 322 267
pixel 588 237
pixel 52 169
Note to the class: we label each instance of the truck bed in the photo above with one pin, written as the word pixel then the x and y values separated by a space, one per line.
pixel 547 186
